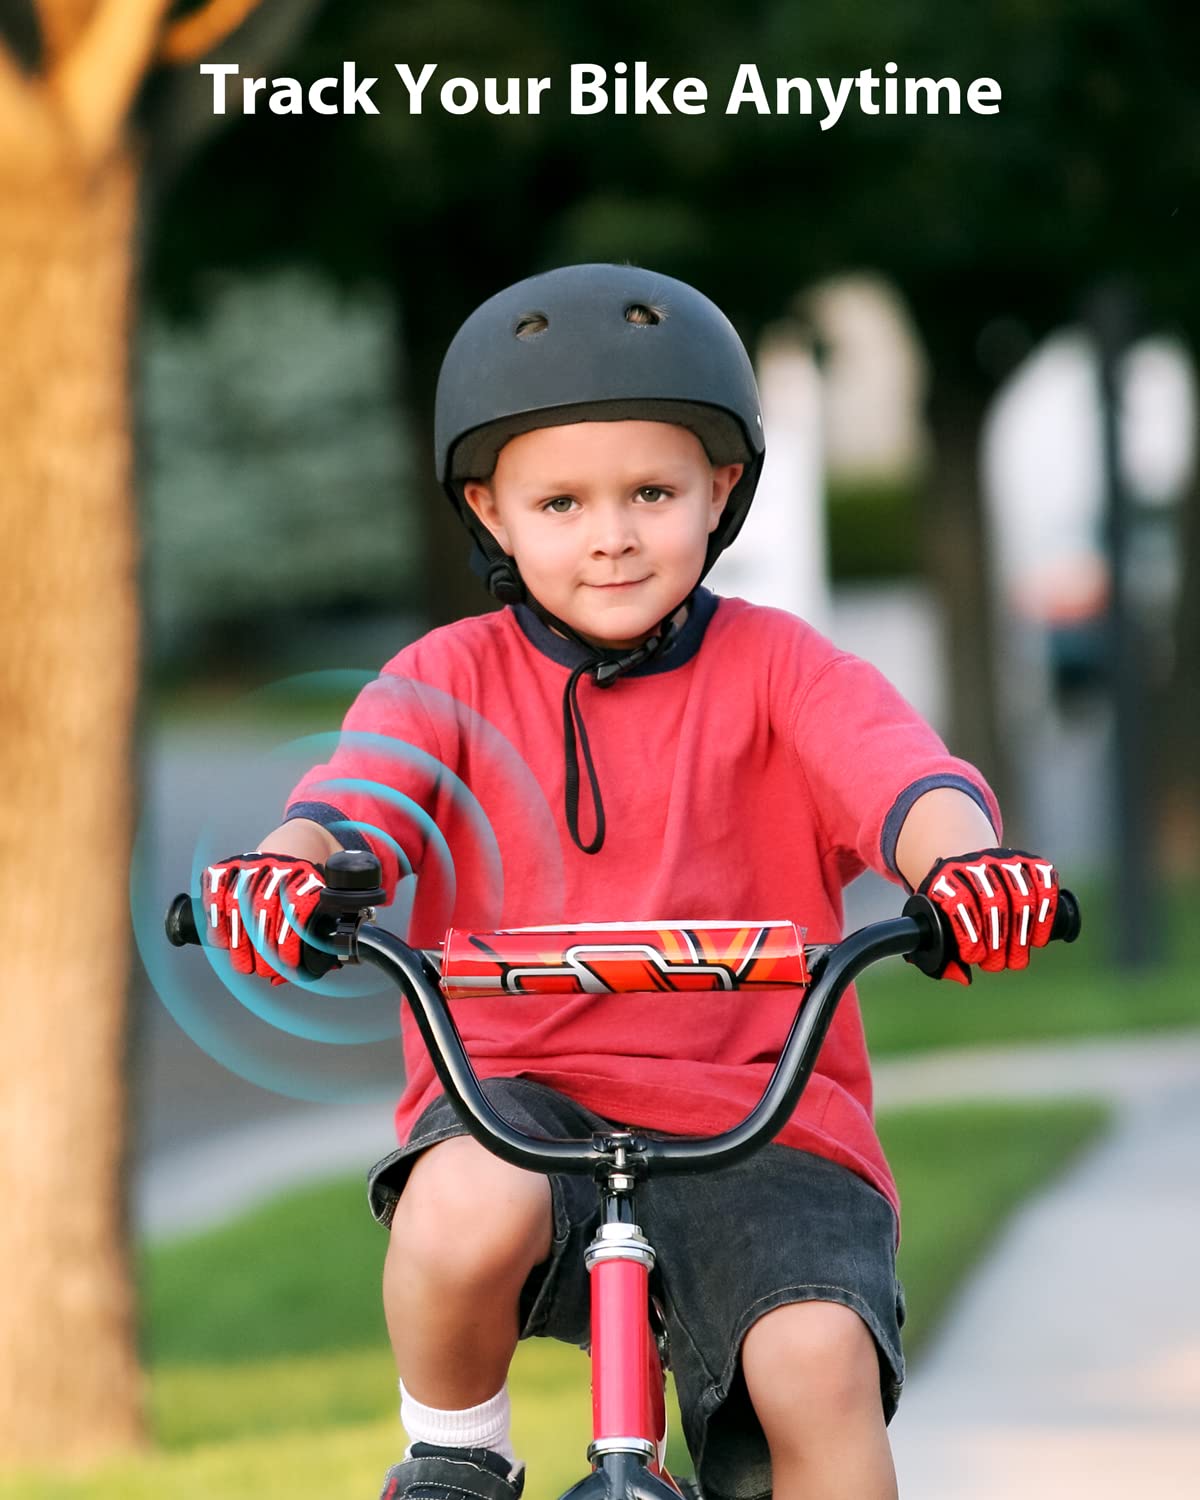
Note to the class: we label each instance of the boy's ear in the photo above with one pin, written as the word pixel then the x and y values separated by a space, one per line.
pixel 723 481
pixel 482 501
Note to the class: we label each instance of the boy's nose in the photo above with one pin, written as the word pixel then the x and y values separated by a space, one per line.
pixel 613 533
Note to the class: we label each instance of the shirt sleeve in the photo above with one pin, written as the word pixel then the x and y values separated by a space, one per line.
pixel 866 756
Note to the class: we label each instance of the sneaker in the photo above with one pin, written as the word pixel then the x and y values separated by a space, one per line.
pixel 435 1473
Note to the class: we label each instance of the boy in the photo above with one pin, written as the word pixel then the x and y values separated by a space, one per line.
pixel 598 431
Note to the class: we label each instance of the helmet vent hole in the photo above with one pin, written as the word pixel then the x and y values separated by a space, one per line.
pixel 643 315
pixel 529 325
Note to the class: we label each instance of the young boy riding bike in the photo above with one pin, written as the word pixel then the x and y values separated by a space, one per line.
pixel 677 755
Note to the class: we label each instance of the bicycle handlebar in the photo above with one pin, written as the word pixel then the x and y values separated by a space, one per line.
pixel 920 931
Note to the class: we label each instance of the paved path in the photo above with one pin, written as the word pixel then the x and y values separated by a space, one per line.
pixel 1071 1365
pixel 217 1176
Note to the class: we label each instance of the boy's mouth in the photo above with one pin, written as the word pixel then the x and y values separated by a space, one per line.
pixel 624 583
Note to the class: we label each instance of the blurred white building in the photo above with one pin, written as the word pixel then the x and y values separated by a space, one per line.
pixel 780 558
pixel 1043 473
pixel 1045 488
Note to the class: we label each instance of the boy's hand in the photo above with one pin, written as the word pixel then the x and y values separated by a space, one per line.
pixel 273 894
pixel 1000 903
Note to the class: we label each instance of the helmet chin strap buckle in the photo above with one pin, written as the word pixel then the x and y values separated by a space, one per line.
pixel 607 672
pixel 502 584
pixel 497 572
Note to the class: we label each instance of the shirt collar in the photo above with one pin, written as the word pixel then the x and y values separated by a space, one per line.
pixel 569 653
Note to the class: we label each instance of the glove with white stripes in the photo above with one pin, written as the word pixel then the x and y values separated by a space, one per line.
pixel 272 895
pixel 1000 903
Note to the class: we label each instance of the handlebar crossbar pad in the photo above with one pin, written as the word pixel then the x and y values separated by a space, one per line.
pixel 623 958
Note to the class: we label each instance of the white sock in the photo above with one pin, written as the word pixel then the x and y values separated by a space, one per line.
pixel 483 1426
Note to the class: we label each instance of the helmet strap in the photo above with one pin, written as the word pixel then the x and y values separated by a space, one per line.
pixel 496 570
pixel 604 665
pixel 607 663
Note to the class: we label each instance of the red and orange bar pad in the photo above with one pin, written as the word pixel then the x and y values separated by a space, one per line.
pixel 604 958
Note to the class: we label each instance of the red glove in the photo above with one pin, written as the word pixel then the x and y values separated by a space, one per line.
pixel 275 895
pixel 1000 904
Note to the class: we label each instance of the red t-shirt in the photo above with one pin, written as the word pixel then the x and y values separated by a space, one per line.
pixel 750 773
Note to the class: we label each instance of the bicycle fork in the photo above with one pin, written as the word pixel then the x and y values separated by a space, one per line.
pixel 629 1422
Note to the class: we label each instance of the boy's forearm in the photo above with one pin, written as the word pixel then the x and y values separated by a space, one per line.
pixel 302 839
pixel 941 823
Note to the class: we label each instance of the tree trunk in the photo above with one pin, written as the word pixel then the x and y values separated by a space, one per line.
pixel 70 1386
pixel 1177 707
pixel 956 545
pixel 451 589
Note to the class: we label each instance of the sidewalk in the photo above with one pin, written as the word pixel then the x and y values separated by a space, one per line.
pixel 1071 1364
pixel 205 1182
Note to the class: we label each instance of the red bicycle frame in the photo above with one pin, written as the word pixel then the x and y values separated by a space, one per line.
pixel 628 1410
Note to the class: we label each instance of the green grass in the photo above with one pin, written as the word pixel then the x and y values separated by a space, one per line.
pixel 1069 990
pixel 961 1170
pixel 270 1375
pixel 300 1276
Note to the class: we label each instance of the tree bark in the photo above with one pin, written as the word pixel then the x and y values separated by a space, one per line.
pixel 70 1384
pixel 1177 707
pixel 69 1380
pixel 451 590
pixel 956 546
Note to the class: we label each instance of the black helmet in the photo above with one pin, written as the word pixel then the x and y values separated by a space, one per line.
pixel 593 343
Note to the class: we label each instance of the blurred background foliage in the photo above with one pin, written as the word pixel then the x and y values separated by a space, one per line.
pixel 273 464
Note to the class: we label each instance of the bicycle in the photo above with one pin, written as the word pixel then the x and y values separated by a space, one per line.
pixel 629 1353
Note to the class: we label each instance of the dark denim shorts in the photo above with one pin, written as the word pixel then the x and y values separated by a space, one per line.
pixel 782 1226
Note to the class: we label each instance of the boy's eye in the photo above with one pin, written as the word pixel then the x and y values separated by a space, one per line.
pixel 560 504
pixel 652 492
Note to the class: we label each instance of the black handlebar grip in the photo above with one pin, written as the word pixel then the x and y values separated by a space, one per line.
pixel 181 924
pixel 1067 921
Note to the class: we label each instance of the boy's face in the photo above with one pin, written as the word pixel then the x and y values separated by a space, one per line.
pixel 608 522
